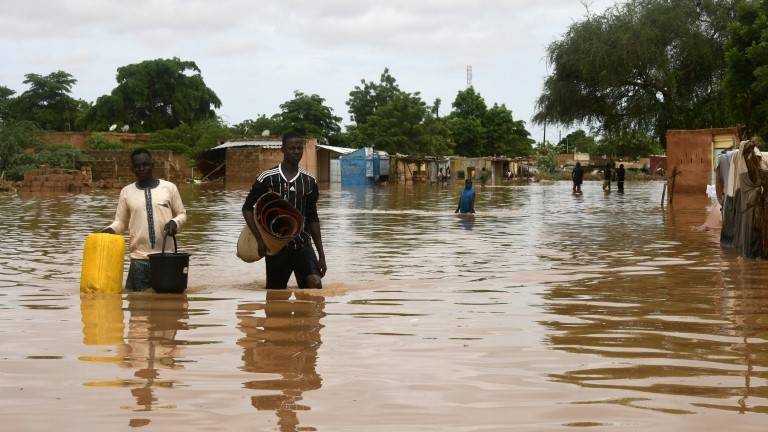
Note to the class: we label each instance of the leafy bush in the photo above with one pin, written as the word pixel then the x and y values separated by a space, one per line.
pixel 546 158
pixel 100 142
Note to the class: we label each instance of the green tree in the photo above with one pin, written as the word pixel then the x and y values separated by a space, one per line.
pixel 404 125
pixel 365 99
pixel 191 139
pixel 644 65
pixel 6 98
pixel 747 66
pixel 466 123
pixel 631 144
pixel 154 95
pixel 309 115
pixel 578 142
pixel 47 102
pixel 505 136
pixel 16 139
pixel 257 126
pixel 546 158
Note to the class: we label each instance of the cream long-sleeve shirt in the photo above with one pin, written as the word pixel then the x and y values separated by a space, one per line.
pixel 145 222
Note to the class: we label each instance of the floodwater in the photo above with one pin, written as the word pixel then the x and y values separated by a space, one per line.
pixel 548 311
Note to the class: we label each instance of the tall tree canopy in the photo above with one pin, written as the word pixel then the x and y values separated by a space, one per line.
pixel 309 115
pixel 364 100
pixel 404 125
pixel 481 131
pixel 47 102
pixel 259 125
pixel 393 120
pixel 6 95
pixel 153 95
pixel 578 141
pixel 747 66
pixel 645 65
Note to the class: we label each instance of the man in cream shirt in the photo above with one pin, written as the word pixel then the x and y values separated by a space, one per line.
pixel 147 208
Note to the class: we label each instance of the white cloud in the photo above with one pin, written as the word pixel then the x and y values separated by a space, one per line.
pixel 255 53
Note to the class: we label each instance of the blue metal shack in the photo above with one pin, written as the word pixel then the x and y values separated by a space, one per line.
pixel 361 167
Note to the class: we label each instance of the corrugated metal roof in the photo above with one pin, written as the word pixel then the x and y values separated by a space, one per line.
pixel 249 143
pixel 341 150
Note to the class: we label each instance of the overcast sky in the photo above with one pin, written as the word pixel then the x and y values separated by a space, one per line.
pixel 255 53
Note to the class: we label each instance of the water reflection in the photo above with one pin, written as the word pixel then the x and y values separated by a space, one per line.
pixel 281 339
pixel 668 334
pixel 102 317
pixel 149 346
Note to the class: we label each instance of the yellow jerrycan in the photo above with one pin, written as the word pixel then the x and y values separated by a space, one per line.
pixel 102 263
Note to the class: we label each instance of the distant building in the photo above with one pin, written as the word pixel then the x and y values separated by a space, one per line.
pixel 364 166
pixel 329 162
pixel 243 159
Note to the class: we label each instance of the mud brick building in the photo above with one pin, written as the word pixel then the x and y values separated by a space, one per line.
pixel 693 153
pixel 244 159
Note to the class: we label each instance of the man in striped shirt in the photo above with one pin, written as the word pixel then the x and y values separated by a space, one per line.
pixel 299 188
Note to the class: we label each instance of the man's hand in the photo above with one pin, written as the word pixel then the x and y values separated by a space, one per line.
pixel 108 230
pixel 322 265
pixel 171 228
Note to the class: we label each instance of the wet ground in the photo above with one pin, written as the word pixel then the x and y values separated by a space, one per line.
pixel 547 311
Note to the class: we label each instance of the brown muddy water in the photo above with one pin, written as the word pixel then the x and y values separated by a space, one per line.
pixel 548 311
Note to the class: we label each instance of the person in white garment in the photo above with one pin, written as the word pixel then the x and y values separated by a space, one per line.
pixel 148 209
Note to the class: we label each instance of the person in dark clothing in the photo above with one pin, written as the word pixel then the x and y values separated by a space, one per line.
pixel 577 175
pixel 620 173
pixel 299 188
pixel 607 177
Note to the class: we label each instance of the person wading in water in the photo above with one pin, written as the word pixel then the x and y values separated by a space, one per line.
pixel 299 188
pixel 467 199
pixel 148 208
pixel 578 177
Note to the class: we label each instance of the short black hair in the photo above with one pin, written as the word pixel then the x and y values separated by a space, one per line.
pixel 291 135
pixel 139 151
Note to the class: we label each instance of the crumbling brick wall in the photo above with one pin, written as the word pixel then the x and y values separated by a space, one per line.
pixel 115 165
pixel 51 180
pixel 78 139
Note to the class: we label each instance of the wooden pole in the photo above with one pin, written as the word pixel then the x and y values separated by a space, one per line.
pixel 675 173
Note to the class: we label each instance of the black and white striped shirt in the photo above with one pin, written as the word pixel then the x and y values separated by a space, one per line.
pixel 301 191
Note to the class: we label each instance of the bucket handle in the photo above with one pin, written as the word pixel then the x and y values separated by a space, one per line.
pixel 175 245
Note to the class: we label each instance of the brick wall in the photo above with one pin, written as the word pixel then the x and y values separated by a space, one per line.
pixel 243 164
pixel 47 180
pixel 77 139
pixel 115 165
pixel 691 152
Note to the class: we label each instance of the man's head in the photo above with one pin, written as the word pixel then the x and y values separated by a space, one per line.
pixel 578 164
pixel 293 147
pixel 468 184
pixel 621 165
pixel 141 164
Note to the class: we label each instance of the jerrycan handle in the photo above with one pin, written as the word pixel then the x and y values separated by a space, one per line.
pixel 175 245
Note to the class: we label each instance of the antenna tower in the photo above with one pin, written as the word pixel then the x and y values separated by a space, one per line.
pixel 469 76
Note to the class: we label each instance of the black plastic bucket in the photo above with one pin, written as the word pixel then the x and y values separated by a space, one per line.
pixel 168 271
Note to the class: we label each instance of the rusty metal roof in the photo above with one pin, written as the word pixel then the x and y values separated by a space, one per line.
pixel 250 143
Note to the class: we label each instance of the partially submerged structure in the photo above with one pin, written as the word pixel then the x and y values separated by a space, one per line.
pixel 241 160
pixel 329 162
pixel 364 166
pixel 691 156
